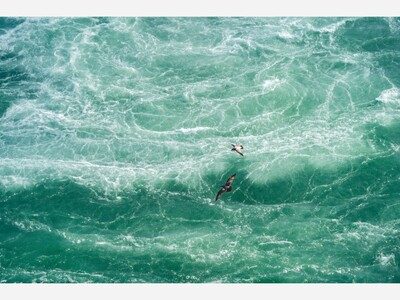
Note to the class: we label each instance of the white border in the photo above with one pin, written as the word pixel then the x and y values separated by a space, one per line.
pixel 199 8
pixel 155 8
pixel 200 291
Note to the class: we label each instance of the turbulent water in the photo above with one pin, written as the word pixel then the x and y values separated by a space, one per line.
pixel 116 133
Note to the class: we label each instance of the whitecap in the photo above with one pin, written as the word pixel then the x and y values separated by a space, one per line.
pixel 390 96
pixel 393 25
pixel 285 35
pixel 15 181
pixel 333 27
pixel 271 84
pixel 192 130
pixel 386 260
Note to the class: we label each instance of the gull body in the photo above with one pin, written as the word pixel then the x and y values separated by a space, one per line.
pixel 226 187
pixel 237 148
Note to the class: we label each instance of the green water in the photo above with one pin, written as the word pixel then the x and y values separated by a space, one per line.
pixel 115 137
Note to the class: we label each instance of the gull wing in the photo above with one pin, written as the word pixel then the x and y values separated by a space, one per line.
pixel 230 179
pixel 238 151
pixel 220 192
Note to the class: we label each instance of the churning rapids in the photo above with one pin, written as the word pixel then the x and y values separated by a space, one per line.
pixel 115 137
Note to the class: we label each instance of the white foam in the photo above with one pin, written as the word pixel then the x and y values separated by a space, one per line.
pixel 30 226
pixel 393 25
pixel 266 240
pixel 285 35
pixel 386 260
pixel 333 27
pixel 271 84
pixel 390 96
pixel 15 181
pixel 193 130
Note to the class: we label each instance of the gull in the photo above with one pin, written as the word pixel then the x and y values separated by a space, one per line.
pixel 237 148
pixel 226 188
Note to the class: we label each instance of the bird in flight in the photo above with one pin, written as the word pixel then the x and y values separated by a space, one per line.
pixel 237 148
pixel 226 188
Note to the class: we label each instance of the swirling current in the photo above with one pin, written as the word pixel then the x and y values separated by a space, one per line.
pixel 116 133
